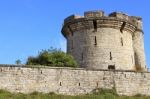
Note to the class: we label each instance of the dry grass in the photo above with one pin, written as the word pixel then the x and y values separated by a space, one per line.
pixel 99 94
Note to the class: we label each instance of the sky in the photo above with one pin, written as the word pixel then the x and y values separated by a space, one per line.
pixel 28 26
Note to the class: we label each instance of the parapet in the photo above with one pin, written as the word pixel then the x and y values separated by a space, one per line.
pixel 72 17
pixel 119 15
pixel 135 20
pixel 92 14
pixel 138 22
pixel 97 18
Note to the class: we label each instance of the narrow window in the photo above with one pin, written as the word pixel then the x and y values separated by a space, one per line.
pixel 110 56
pixel 95 41
pixel 72 44
pixel 82 56
pixel 125 75
pixel 97 84
pixel 72 33
pixel 121 41
pixel 60 84
pixel 111 67
pixel 79 84
pixel 104 78
pixel 122 27
pixel 95 25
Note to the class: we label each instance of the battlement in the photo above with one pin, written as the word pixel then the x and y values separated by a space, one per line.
pixel 113 20
pixel 138 22
pixel 100 14
pixel 119 15
pixel 93 14
pixel 72 17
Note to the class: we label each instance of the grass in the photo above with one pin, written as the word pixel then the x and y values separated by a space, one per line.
pixel 97 94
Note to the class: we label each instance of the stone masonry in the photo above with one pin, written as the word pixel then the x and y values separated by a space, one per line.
pixel 71 81
pixel 106 42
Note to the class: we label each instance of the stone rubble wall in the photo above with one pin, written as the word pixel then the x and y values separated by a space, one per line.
pixel 71 81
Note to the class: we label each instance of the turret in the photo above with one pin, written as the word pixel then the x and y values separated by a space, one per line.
pixel 138 45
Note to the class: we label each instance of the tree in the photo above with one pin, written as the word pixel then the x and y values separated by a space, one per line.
pixel 52 57
pixel 18 62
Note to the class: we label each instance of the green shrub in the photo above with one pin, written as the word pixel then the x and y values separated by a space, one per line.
pixel 99 94
pixel 101 91
pixel 52 57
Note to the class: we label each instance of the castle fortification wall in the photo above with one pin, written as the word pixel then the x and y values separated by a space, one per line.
pixel 71 81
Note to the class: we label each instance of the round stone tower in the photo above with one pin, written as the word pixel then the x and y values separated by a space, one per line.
pixel 105 42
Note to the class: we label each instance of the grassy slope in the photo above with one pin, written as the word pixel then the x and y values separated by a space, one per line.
pixel 35 95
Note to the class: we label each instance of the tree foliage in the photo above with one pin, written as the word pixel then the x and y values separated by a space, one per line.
pixel 52 57
pixel 18 61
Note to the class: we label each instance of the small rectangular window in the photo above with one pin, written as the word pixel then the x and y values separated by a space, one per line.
pixel 97 84
pixel 60 84
pixel 79 84
pixel 95 25
pixel 122 41
pixel 95 41
pixel 125 75
pixel 72 33
pixel 82 56
pixel 110 56
pixel 111 67
pixel 72 44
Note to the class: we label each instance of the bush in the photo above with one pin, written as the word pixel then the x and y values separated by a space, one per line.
pixel 101 91
pixel 105 94
pixel 52 57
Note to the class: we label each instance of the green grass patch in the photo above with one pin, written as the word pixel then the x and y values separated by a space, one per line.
pixel 97 94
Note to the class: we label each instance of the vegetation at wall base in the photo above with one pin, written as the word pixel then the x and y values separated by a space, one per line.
pixel 106 94
pixel 101 91
pixel 52 57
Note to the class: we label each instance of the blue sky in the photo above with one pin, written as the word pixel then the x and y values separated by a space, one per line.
pixel 28 26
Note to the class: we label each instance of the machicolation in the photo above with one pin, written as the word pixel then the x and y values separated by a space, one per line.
pixel 106 42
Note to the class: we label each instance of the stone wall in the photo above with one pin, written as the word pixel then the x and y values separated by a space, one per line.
pixel 102 49
pixel 71 81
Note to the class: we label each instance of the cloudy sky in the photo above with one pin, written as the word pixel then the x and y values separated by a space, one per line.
pixel 28 26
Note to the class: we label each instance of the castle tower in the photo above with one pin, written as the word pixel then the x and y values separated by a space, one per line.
pixel 105 42
pixel 138 40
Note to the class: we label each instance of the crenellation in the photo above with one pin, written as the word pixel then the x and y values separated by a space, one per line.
pixel 119 15
pixel 93 14
pixel 97 15
pixel 137 21
pixel 72 17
